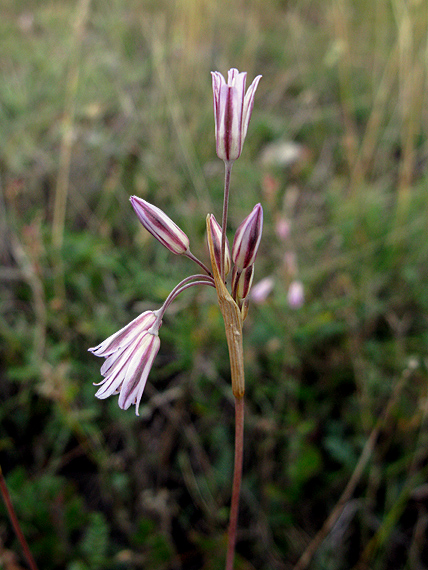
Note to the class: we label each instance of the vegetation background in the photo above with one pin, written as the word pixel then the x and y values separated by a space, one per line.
pixel 101 99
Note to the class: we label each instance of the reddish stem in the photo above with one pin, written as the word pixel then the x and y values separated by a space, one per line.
pixel 237 477
pixel 15 523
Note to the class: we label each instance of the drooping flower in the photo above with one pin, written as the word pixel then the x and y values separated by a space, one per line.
pixel 247 239
pixel 232 112
pixel 160 226
pixel 129 355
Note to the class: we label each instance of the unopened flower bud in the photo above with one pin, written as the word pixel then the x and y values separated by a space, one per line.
pixel 244 308
pixel 216 236
pixel 160 226
pixel 247 239
pixel 241 282
pixel 232 112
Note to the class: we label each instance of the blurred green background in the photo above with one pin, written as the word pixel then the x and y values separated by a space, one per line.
pixel 101 99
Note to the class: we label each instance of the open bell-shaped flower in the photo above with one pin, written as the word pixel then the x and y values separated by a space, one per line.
pixel 232 112
pixel 129 355
pixel 160 226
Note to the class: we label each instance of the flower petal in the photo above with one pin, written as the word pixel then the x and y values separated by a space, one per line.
pixel 247 238
pixel 160 226
pixel 125 335
pixel 216 237
pixel 138 371
pixel 232 112
pixel 248 105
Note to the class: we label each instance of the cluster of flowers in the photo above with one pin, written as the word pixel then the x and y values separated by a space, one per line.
pixel 130 352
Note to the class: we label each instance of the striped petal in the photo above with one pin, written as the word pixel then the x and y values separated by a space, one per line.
pixel 138 371
pixel 232 112
pixel 160 226
pixel 247 239
pixel 125 335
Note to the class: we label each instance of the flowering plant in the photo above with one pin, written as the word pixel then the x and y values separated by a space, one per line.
pixel 130 352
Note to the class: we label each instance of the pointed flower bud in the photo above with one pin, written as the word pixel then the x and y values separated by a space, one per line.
pixel 129 357
pixel 247 239
pixel 241 283
pixel 160 226
pixel 232 112
pixel 216 236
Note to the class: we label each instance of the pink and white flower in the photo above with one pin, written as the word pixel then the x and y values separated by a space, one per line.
pixel 261 290
pixel 232 112
pixel 296 294
pixel 160 226
pixel 247 239
pixel 129 355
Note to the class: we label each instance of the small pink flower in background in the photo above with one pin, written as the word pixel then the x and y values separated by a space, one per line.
pixel 270 187
pixel 247 239
pixel 129 355
pixel 261 290
pixel 295 296
pixel 232 112
pixel 160 226
pixel 282 228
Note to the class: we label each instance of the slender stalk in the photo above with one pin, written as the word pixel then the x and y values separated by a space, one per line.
pixel 227 173
pixel 190 255
pixel 232 317
pixel 182 286
pixel 237 478
pixel 15 523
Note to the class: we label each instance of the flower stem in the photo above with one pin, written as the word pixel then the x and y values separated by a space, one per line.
pixel 15 523
pixel 232 317
pixel 182 286
pixel 237 477
pixel 190 255
pixel 227 173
